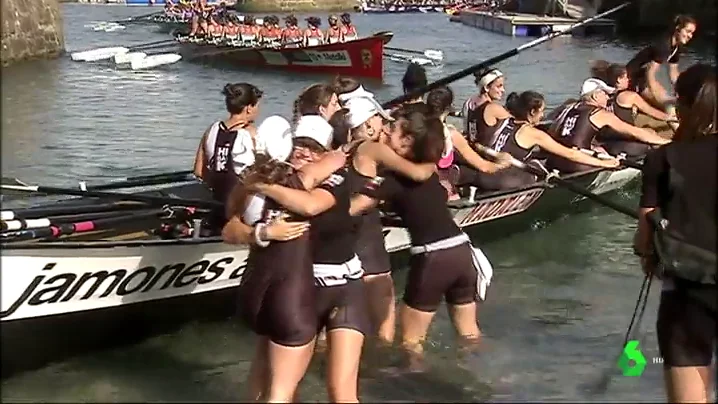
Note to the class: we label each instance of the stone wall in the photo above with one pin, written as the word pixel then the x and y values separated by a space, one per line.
pixel 30 29
pixel 291 6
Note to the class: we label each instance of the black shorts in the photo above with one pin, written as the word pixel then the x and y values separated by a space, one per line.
pixel 686 326
pixel 342 306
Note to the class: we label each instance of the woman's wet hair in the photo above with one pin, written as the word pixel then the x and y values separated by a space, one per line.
pixel 345 84
pixel 315 21
pixel 521 105
pixel 346 18
pixel 339 123
pixel 681 20
pixel 310 99
pixel 292 19
pixel 697 102
pixel 440 100
pixel 414 78
pixel 240 95
pixel 608 72
pixel 266 170
pixel 426 130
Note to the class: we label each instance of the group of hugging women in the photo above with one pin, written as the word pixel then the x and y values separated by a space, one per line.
pixel 305 195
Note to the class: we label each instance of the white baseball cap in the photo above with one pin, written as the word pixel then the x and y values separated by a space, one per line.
pixel 359 92
pixel 315 127
pixel 363 108
pixel 594 84
pixel 274 138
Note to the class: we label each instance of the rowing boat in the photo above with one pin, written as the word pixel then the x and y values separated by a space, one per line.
pixel 362 57
pixel 409 9
pixel 76 294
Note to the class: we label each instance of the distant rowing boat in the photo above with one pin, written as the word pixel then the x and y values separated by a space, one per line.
pixel 363 57
pixel 406 9
pixel 110 287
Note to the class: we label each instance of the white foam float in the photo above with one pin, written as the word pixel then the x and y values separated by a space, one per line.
pixel 151 61
pixel 97 54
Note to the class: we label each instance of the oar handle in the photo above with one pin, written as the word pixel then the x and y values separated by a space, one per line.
pixel 605 156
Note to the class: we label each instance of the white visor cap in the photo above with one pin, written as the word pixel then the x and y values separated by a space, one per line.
pixel 593 84
pixel 361 109
pixel 315 127
pixel 274 138
pixel 358 93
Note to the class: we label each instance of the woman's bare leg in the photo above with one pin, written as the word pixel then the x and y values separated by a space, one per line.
pixel 258 371
pixel 344 356
pixel 414 326
pixel 382 305
pixel 690 384
pixel 287 366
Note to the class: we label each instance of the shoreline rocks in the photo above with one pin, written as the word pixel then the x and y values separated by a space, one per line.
pixel 31 29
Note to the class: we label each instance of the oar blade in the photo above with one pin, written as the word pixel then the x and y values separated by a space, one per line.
pixel 152 61
pixel 434 54
pixel 95 55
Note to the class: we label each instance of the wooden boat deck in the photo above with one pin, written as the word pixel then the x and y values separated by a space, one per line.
pixel 522 24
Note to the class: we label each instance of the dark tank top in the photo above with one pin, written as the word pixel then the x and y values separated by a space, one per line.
pixel 281 257
pixel 623 113
pixel 221 177
pixel 477 129
pixel 332 232
pixel 574 127
pixel 421 206
pixel 367 226
pixel 505 140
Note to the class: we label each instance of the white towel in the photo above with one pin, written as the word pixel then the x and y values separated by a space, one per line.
pixel 484 270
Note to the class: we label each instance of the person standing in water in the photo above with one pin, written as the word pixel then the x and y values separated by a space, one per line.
pixel 677 233
pixel 442 264
pixel 220 154
pixel 643 68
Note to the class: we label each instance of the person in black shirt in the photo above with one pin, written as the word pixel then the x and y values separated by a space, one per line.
pixel 679 194
pixel 643 67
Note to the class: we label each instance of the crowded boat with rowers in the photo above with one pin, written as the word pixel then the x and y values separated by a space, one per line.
pixel 250 31
pixel 304 194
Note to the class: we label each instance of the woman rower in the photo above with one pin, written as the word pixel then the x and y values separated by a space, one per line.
pixel 519 137
pixel 349 31
pixel 441 264
pixel 334 33
pixel 414 78
pixel 365 119
pixel 341 305
pixel 292 36
pixel 626 103
pixel 468 162
pixel 482 113
pixel 643 68
pixel 677 231
pixel 249 31
pixel 578 125
pixel 221 153
pixel 313 35
pixel 215 30
pixel 277 295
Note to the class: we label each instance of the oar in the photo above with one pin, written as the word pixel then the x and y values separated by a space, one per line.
pixel 79 227
pixel 23 224
pixel 496 59
pixel 126 182
pixel 552 178
pixel 94 55
pixel 151 200
pixel 41 211
pixel 624 162
pixel 429 53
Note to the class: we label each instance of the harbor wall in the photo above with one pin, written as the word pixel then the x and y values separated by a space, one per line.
pixel 292 6
pixel 31 29
pixel 657 15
